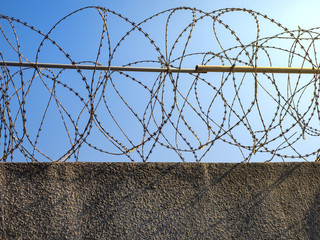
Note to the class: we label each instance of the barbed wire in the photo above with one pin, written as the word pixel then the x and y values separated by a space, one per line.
pixel 61 115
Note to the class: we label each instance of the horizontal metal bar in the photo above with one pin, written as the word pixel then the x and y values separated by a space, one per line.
pixel 95 67
pixel 248 69
pixel 198 68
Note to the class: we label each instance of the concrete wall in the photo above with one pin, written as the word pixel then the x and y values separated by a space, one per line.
pixel 160 201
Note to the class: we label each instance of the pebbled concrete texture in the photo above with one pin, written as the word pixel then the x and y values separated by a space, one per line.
pixel 159 201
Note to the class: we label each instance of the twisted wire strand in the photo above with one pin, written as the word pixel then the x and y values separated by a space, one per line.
pixel 62 115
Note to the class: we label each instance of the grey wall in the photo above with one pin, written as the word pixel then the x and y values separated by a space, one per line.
pixel 159 201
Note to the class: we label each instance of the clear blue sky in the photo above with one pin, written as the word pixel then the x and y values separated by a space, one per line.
pixel 45 13
pixel 79 36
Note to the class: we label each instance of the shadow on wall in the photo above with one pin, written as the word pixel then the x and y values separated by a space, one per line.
pixel 313 218
pixel 160 200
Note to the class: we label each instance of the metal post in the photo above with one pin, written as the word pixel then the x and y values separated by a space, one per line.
pixel 198 68
pixel 94 67
pixel 247 69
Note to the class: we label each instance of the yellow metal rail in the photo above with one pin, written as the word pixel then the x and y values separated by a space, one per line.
pixel 197 69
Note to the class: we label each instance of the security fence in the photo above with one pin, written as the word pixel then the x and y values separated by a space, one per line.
pixel 104 105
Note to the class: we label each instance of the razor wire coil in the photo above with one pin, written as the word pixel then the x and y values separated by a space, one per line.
pixel 185 114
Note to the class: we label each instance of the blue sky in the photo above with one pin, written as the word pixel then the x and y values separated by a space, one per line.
pixel 79 36
pixel 44 13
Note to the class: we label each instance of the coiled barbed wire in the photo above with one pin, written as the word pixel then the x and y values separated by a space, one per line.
pixel 58 115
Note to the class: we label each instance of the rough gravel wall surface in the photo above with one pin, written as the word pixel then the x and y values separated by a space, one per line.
pixel 159 201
